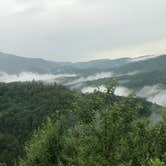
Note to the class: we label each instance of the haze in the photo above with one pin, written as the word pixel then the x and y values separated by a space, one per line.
pixel 76 30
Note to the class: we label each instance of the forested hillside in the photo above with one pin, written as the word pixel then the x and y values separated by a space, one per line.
pixel 138 74
pixel 48 125
pixel 23 107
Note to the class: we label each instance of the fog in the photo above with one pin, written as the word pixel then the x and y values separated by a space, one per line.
pixel 98 76
pixel 155 117
pixel 91 89
pixel 29 76
pixel 94 77
pixel 122 91
pixel 129 73
pixel 155 94
pixel 119 91
pixel 143 58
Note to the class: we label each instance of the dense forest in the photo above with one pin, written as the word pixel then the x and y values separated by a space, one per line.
pixel 50 125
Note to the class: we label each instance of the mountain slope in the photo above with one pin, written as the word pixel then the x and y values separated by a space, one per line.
pixel 132 73
pixel 25 106
pixel 13 65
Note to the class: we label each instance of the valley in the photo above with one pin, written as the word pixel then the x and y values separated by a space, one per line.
pixel 132 75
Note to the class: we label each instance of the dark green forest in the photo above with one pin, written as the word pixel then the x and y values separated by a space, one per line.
pixel 50 125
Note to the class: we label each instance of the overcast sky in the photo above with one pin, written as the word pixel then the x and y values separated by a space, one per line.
pixel 76 30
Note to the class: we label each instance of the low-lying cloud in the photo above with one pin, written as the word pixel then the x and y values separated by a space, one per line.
pixel 128 74
pixel 143 58
pixel 119 91
pixel 91 89
pixel 29 76
pixel 97 76
pixel 122 91
pixel 155 94
pixel 155 117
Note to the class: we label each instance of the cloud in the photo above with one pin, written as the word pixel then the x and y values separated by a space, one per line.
pixel 119 91
pixel 82 29
pixel 97 76
pixel 129 73
pixel 155 117
pixel 143 58
pixel 122 91
pixel 154 94
pixel 28 76
pixel 89 89
pixel 12 7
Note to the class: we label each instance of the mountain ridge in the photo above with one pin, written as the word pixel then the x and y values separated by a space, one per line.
pixel 14 64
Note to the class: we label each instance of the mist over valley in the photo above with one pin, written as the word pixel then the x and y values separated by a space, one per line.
pixel 145 75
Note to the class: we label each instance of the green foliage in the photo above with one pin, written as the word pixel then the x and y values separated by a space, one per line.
pixel 45 146
pixel 98 129
pixel 114 134
pixel 9 148
pixel 23 108
pixel 156 162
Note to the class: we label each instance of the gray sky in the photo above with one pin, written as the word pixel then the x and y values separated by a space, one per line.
pixel 76 30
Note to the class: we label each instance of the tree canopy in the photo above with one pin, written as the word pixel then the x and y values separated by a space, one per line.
pixel 49 125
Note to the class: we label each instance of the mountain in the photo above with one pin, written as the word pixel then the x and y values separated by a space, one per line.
pixel 85 122
pixel 14 64
pixel 147 72
pixel 101 64
pixel 133 74
pixel 24 107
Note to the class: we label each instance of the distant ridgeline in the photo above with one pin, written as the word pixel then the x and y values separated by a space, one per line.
pixel 132 73
pixel 12 64
pixel 48 125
